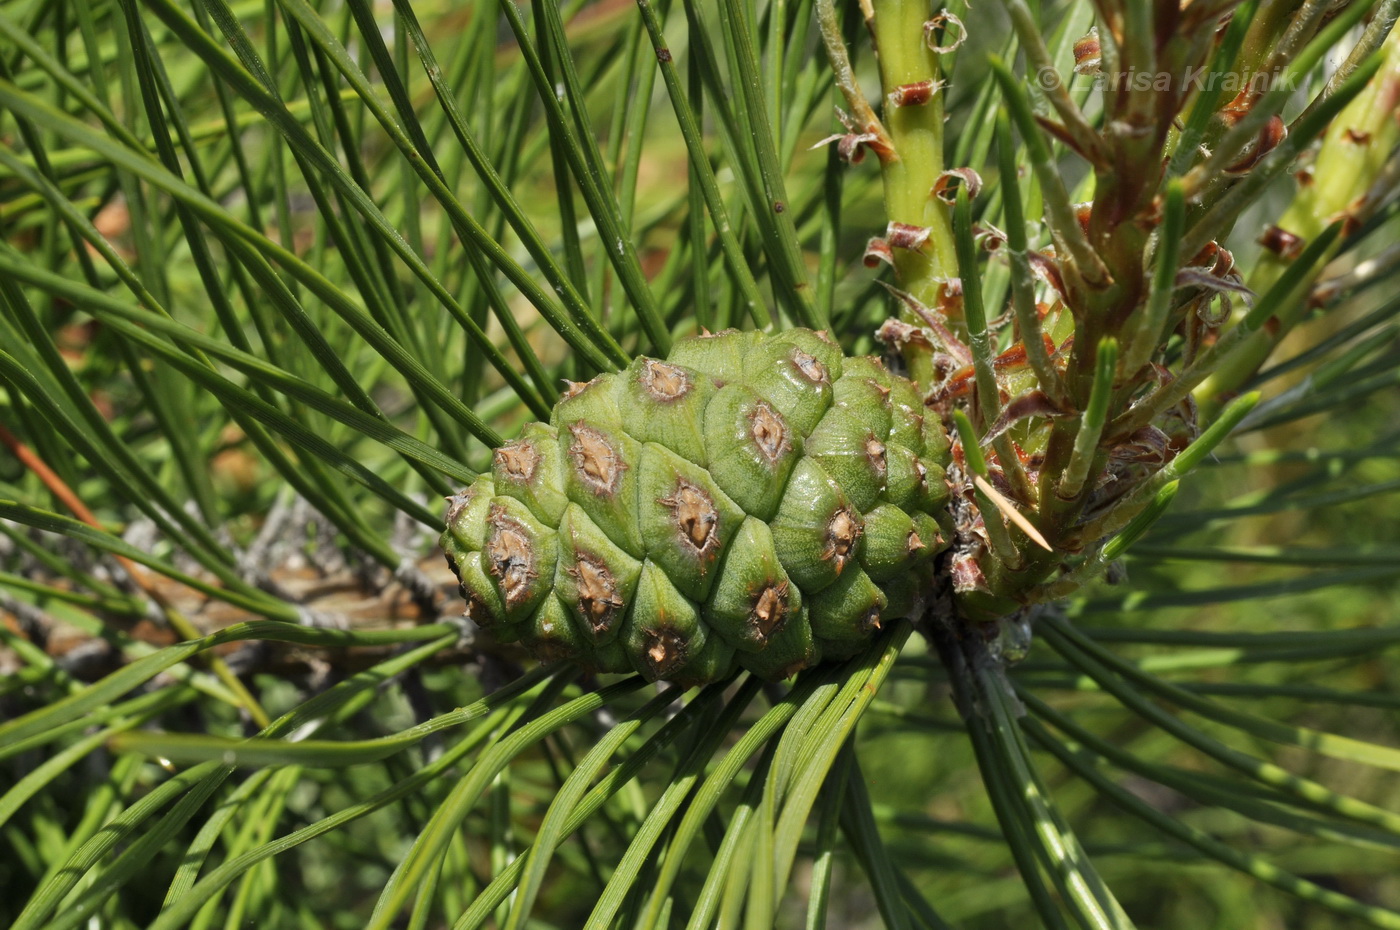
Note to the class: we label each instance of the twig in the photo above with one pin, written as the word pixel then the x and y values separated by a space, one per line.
pixel 1039 62
pixel 1063 221
pixel 846 80
pixel 178 621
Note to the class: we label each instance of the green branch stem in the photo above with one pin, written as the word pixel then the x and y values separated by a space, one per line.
pixel 916 136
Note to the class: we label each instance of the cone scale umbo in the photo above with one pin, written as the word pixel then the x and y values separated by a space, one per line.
pixel 755 501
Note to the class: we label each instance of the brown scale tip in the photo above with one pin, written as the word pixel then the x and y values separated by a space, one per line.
pixel 1272 133
pixel 664 382
pixel 1224 263
pixel 908 236
pixel 573 388
pixel 1088 56
pixel 914 544
pixel 842 531
pixel 596 461
pixel 811 367
pixel 914 94
pixel 664 651
pixel 769 432
pixel 1084 214
pixel 875 452
pixel 598 596
pixel 694 513
pixel 518 460
pixel 510 555
pixel 1207 255
pixel 459 502
pixel 869 621
pixel 877 250
pixel 1282 242
pixel 770 608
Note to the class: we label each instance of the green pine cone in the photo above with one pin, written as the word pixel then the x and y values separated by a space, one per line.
pixel 754 501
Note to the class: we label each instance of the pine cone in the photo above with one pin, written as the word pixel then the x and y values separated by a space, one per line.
pixel 755 501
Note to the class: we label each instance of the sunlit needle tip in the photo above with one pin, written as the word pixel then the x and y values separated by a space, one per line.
pixel 1009 510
